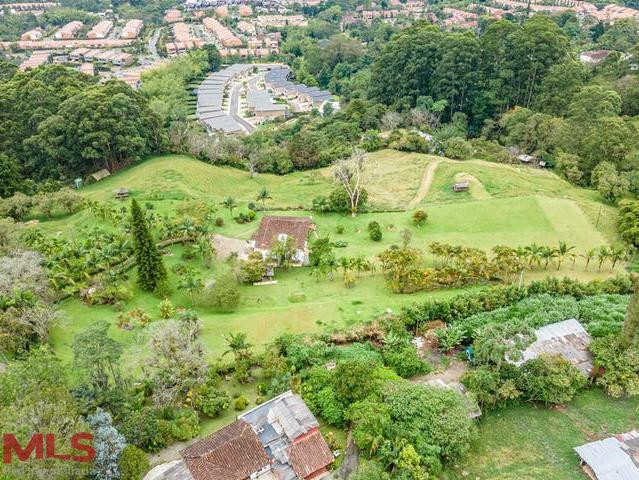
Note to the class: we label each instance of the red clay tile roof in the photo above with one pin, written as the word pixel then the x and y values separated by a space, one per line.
pixel 309 455
pixel 232 453
pixel 271 226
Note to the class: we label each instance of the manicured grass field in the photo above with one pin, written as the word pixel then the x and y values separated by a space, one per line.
pixel 527 443
pixel 499 180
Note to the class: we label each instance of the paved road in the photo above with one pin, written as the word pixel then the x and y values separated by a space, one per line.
pixel 153 43
pixel 235 109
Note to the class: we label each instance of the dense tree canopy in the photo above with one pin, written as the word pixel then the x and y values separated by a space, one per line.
pixel 58 123
pixel 481 76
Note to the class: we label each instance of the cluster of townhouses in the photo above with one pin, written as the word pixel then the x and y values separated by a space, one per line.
pixel 306 97
pixel 210 97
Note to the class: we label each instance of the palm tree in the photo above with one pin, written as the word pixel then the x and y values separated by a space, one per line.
pixel 192 285
pixel 345 264
pixel 187 228
pixel 262 196
pixel 617 253
pixel 602 255
pixel 230 203
pixel 534 254
pixel 360 264
pixel 563 251
pixel 588 256
pixel 238 345
pixel 547 254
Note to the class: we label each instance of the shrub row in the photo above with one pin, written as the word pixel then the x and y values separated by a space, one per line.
pixel 467 304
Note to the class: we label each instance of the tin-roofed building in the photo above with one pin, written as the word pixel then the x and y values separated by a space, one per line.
pixel 613 458
pixel 568 339
pixel 210 98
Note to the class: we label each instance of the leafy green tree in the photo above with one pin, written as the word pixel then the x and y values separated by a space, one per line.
pixel 97 355
pixel 568 165
pixel 550 379
pixel 610 184
pixel 133 463
pixel 559 86
pixel 254 268
pixel 402 269
pixel 213 56
pixel 374 231
pixel 35 397
pixel 223 295
pixel 151 272
pixel 10 177
pixel 177 363
pixel 100 127
pixel 458 148
pixel 592 102
pixel 628 222
pixel 630 332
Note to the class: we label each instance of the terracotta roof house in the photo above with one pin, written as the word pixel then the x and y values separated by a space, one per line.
pixel 613 458
pixel 275 228
pixel 277 440
pixel 232 453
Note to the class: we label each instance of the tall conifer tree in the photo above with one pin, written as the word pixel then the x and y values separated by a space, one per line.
pixel 151 271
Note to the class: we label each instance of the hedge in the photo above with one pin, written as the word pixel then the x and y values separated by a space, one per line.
pixel 467 304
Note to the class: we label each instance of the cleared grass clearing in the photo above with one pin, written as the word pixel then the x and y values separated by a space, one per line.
pixel 527 443
pixel 500 181
pixel 480 223
pixel 178 177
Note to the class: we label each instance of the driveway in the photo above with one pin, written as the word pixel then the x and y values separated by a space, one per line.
pixel 234 109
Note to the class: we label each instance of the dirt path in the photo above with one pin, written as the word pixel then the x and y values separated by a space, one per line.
pixel 453 373
pixel 351 458
pixel 170 453
pixel 424 187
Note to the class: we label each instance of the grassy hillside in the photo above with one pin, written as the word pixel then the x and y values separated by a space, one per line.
pixel 498 181
pixel 511 206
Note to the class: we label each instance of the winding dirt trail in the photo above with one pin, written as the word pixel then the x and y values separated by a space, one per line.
pixel 424 187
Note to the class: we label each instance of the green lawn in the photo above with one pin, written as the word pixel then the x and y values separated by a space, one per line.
pixel 528 443
pixel 499 180
pixel 265 311
pixel 520 209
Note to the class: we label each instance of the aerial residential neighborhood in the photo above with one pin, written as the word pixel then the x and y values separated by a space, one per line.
pixel 309 239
